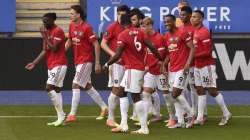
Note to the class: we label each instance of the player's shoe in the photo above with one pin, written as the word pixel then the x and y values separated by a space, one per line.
pixel 140 132
pixel 102 114
pixel 190 122
pixel 177 125
pixel 56 123
pixel 171 122
pixel 156 119
pixel 51 123
pixel 59 123
pixel 139 124
pixel 111 123
pixel 70 118
pixel 225 120
pixel 134 118
pixel 120 129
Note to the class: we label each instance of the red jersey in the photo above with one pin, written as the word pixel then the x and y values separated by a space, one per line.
pixel 152 62
pixel 203 44
pixel 178 50
pixel 134 49
pixel 190 29
pixel 56 58
pixel 112 33
pixel 82 37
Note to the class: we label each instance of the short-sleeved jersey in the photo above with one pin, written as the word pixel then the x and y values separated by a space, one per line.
pixel 111 34
pixel 82 37
pixel 152 62
pixel 134 49
pixel 189 28
pixel 203 44
pixel 178 50
pixel 58 57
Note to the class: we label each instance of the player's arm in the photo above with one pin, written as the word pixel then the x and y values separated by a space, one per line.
pixel 97 57
pixel 153 49
pixel 53 45
pixel 207 46
pixel 116 57
pixel 32 64
pixel 190 45
pixel 207 51
pixel 165 63
pixel 105 47
pixel 68 44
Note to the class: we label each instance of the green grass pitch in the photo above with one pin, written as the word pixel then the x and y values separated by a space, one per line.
pixel 26 127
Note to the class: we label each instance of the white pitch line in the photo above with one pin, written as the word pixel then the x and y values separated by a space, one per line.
pixel 240 116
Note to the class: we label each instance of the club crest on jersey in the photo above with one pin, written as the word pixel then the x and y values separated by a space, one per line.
pixel 106 33
pixel 133 33
pixel 50 37
pixel 174 39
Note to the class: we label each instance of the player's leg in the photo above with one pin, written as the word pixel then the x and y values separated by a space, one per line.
pixel 202 97
pixel 54 84
pixel 93 93
pixel 156 107
pixel 212 89
pixel 124 104
pixel 116 73
pixel 75 93
pixel 180 100
pixel 134 86
pixel 194 96
pixel 148 88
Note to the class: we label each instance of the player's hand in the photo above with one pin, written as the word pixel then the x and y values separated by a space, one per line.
pixel 30 66
pixel 186 69
pixel 105 68
pixel 43 31
pixel 98 68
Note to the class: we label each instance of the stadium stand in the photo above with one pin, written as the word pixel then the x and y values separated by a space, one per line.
pixel 29 13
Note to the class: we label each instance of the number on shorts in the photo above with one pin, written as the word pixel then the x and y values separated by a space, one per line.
pixel 205 79
pixel 163 81
pixel 180 79
pixel 52 75
pixel 138 44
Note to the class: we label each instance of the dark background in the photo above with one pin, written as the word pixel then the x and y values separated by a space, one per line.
pixel 16 53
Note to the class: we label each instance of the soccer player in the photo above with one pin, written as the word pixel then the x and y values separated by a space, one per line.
pixel 154 79
pixel 131 47
pixel 181 52
pixel 136 17
pixel 54 52
pixel 116 71
pixel 204 71
pixel 185 15
pixel 81 38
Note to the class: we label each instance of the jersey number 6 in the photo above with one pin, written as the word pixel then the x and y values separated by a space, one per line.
pixel 137 44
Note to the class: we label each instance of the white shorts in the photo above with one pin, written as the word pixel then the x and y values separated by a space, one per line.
pixel 116 73
pixel 155 81
pixel 177 80
pixel 206 76
pixel 56 75
pixel 83 74
pixel 132 80
pixel 191 76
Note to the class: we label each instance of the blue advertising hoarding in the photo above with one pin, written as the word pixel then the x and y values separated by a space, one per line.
pixel 8 15
pixel 224 16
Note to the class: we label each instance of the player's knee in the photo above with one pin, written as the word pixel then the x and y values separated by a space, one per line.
pixel 88 86
pixel 75 86
pixel 213 92
pixel 49 88
pixel 57 89
pixel 136 97
pixel 176 92
pixel 200 90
